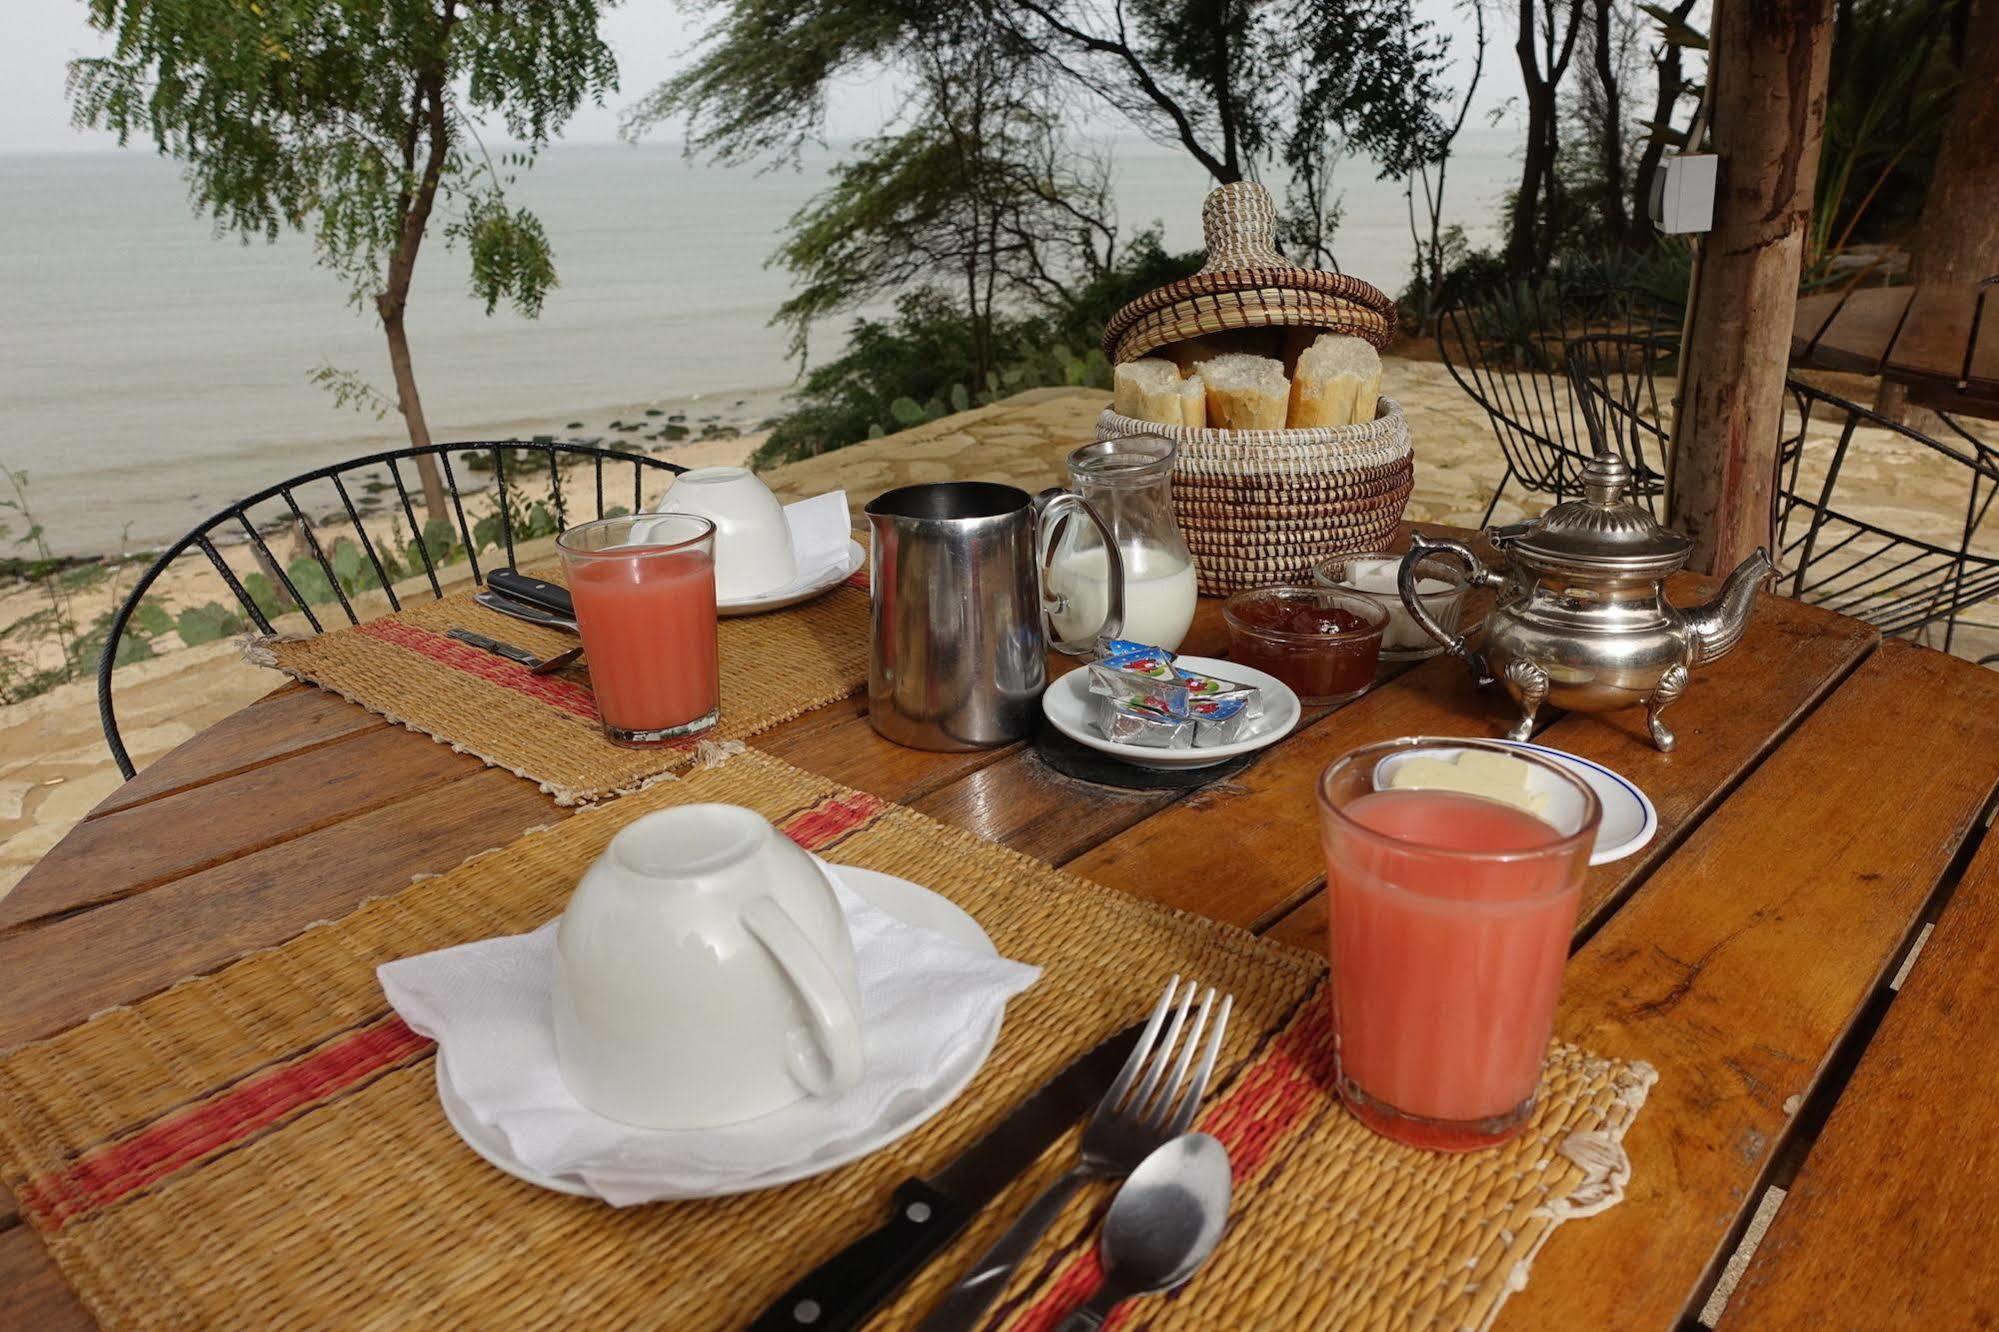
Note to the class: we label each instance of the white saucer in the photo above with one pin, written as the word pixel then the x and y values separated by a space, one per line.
pixel 1629 821
pixel 902 899
pixel 1067 703
pixel 799 589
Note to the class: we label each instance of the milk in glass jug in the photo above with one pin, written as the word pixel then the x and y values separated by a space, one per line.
pixel 1129 482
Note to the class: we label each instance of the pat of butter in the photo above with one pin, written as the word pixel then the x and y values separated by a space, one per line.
pixel 1476 772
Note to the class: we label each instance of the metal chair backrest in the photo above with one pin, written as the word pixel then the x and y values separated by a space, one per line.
pixel 1506 346
pixel 1835 554
pixel 1615 377
pixel 339 558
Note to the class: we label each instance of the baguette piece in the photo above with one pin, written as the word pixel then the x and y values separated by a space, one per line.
pixel 1338 380
pixel 1148 390
pixel 1245 392
pixel 1194 402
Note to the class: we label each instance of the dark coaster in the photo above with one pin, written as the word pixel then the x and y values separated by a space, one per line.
pixel 1070 759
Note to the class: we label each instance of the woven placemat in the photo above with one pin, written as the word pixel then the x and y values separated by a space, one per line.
pixel 545 728
pixel 263 1146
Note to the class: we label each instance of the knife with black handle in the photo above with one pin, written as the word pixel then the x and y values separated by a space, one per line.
pixel 928 1213
pixel 534 591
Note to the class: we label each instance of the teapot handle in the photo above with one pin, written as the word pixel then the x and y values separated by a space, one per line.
pixel 1051 507
pixel 834 1021
pixel 1421 547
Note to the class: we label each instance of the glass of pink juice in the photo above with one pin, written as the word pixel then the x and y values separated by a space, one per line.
pixel 1449 923
pixel 644 588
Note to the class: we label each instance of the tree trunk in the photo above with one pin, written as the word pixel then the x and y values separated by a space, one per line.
pixel 1958 237
pixel 1534 163
pixel 434 498
pixel 1769 82
pixel 1616 221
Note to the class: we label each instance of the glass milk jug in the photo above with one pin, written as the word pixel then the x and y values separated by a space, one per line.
pixel 1129 482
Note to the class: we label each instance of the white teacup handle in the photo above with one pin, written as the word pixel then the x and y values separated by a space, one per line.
pixel 834 1020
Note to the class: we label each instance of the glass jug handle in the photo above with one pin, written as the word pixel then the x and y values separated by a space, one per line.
pixel 1051 508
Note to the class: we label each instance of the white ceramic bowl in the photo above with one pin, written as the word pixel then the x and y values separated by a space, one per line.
pixel 753 553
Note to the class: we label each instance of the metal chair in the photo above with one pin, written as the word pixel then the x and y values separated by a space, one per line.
pixel 1834 557
pixel 1506 346
pixel 1615 377
pixel 341 560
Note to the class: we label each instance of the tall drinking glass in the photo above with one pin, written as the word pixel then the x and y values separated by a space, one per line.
pixel 644 588
pixel 1449 924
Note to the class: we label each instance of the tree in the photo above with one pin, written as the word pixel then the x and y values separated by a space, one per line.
pixel 1434 254
pixel 1544 42
pixel 354 121
pixel 978 189
pixel 1241 86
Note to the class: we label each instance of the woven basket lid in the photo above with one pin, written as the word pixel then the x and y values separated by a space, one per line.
pixel 1246 283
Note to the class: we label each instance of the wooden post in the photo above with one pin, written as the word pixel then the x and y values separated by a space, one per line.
pixel 1767 79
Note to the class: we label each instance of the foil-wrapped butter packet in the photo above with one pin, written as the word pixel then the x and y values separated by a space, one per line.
pixel 1220 721
pixel 1125 724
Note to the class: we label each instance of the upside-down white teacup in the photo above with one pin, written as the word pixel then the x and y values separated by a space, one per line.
pixel 704 975
pixel 753 551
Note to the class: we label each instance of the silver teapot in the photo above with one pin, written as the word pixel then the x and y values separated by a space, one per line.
pixel 1582 619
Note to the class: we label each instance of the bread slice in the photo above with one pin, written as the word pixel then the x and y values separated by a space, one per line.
pixel 1148 390
pixel 1194 402
pixel 1338 379
pixel 1245 392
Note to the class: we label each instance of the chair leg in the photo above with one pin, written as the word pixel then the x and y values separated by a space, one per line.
pixel 1487 520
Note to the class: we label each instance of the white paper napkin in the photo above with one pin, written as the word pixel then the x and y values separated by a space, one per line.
pixel 925 1004
pixel 820 531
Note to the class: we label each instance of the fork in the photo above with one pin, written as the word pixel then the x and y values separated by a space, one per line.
pixel 1123 1130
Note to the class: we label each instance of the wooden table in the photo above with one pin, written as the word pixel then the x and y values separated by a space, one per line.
pixel 1942 341
pixel 1829 797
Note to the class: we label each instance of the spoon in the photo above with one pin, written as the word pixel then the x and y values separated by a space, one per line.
pixel 1163 1224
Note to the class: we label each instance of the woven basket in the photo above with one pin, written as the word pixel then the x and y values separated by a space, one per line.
pixel 1263 506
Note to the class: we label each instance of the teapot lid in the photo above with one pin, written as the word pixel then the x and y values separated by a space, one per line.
pixel 1604 531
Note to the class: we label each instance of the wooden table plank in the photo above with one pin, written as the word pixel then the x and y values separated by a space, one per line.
pixel 1247 850
pixel 284 722
pixel 1738 966
pixel 1735 711
pixel 1936 333
pixel 1894 1221
pixel 1859 333
pixel 1985 351
pixel 130 850
pixel 32 1292
pixel 61 970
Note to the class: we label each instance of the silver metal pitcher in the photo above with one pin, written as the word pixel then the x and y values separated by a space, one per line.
pixel 961 632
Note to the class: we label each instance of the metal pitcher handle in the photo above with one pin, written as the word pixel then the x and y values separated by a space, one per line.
pixel 1421 547
pixel 1051 507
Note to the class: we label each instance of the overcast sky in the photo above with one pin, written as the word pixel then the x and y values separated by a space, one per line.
pixel 651 38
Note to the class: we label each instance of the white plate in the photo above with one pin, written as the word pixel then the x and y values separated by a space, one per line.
pixel 1629 821
pixel 902 899
pixel 1067 703
pixel 799 589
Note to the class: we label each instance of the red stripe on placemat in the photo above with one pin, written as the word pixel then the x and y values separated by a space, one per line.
pixel 118 1169
pixel 1276 1096
pixel 565 695
pixel 859 578
pixel 822 824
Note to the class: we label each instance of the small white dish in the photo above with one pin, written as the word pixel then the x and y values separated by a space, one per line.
pixel 1629 820
pixel 902 899
pixel 1067 704
pixel 798 590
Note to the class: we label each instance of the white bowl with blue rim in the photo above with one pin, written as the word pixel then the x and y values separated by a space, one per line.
pixel 1629 820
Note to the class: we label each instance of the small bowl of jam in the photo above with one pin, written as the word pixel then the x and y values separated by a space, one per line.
pixel 1323 642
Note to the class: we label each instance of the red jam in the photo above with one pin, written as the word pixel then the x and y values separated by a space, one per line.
pixel 1326 651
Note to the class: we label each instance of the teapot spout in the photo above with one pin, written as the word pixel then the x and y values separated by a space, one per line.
pixel 1716 625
